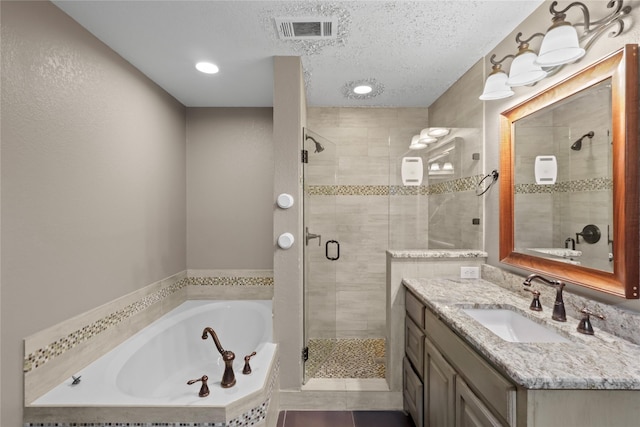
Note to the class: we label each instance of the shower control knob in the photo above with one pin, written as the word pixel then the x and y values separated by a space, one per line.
pixel 285 240
pixel 284 201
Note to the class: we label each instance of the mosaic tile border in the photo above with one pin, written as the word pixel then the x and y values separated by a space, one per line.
pixel 573 186
pixel 41 356
pixel 249 418
pixel 456 185
pixel 229 281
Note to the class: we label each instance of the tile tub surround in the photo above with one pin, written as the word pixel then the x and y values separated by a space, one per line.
pixel 58 352
pixel 578 364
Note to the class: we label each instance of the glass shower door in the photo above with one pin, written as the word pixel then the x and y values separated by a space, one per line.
pixel 321 250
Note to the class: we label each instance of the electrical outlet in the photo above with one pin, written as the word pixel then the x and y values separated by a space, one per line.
pixel 470 272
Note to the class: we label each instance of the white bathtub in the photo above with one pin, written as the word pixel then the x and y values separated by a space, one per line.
pixel 153 366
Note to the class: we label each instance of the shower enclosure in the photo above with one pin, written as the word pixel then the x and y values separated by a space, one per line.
pixel 320 249
pixel 345 222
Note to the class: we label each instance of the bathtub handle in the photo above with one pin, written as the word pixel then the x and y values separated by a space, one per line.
pixel 247 369
pixel 204 390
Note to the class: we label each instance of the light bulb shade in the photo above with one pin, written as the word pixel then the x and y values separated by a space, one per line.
pixel 496 87
pixel 425 138
pixel 416 144
pixel 438 132
pixel 524 71
pixel 448 166
pixel 434 167
pixel 560 46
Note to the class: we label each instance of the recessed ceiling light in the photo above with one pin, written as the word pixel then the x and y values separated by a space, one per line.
pixel 362 89
pixel 207 67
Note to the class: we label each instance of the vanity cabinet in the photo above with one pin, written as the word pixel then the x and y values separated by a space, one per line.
pixel 440 388
pixel 450 382
pixel 459 388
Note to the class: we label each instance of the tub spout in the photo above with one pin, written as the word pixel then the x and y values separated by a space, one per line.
pixel 228 378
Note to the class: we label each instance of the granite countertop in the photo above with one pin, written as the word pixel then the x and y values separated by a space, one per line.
pixel 600 361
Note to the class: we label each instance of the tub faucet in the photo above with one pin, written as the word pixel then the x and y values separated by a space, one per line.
pixel 559 313
pixel 228 378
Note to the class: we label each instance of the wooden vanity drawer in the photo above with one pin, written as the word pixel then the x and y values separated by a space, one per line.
pixel 413 393
pixel 414 345
pixel 491 386
pixel 415 309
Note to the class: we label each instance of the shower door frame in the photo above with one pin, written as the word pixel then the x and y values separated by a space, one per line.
pixel 319 180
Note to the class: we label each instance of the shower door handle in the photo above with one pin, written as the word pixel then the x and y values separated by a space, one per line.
pixel 326 250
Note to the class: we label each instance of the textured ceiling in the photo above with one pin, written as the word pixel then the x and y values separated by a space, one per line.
pixel 411 50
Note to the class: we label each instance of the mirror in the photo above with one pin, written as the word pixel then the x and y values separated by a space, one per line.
pixel 569 178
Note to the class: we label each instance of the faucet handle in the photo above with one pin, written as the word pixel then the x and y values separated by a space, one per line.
pixel 204 390
pixel 585 327
pixel 247 369
pixel 535 304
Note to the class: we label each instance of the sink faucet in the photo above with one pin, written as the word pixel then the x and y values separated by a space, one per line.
pixel 228 378
pixel 559 313
pixel 572 241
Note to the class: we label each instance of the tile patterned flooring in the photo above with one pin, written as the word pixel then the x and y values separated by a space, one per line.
pixel 344 419
pixel 345 358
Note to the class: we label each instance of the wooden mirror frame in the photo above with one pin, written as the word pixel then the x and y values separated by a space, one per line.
pixel 622 68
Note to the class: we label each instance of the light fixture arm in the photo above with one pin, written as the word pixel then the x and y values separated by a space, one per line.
pixel 523 42
pixel 494 62
pixel 600 26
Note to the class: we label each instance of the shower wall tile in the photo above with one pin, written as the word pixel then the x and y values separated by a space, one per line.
pixel 323 117
pixel 368 117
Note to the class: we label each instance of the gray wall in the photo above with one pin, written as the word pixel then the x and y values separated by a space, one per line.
pixel 230 188
pixel 93 180
pixel 459 106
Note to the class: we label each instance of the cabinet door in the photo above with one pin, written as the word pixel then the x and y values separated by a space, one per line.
pixel 439 389
pixel 470 411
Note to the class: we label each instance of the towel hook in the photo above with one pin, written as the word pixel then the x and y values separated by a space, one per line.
pixel 494 178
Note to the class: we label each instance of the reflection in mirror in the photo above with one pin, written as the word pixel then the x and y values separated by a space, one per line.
pixel 569 191
pixel 563 180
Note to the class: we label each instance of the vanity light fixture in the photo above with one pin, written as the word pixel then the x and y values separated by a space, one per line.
pixel 524 70
pixel 438 132
pixel 416 144
pixel 560 46
pixel 207 67
pixel 427 136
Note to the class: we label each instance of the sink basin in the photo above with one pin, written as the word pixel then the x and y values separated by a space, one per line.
pixel 512 326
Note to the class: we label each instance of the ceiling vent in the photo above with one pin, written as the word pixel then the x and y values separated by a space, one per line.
pixel 307 28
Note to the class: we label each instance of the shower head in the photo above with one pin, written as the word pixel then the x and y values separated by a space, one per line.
pixel 319 147
pixel 577 146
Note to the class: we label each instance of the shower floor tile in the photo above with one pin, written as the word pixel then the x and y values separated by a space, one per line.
pixel 346 358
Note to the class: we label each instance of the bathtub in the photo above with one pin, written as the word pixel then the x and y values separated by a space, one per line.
pixel 151 369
